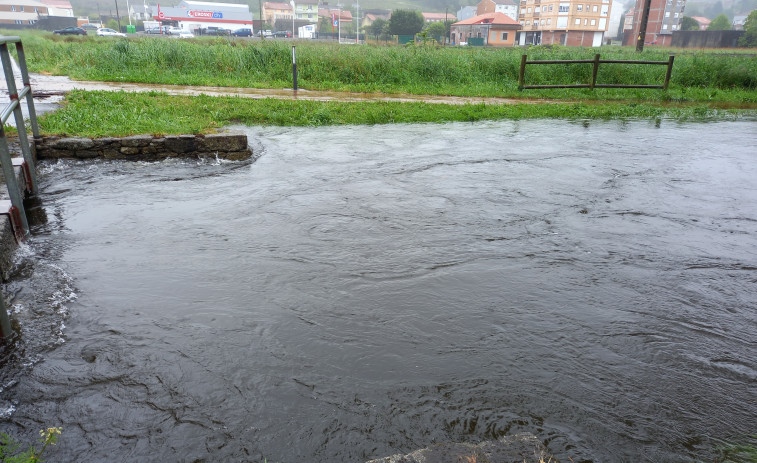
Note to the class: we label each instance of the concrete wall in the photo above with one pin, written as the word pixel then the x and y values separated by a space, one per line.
pixel 146 147
pixel 706 39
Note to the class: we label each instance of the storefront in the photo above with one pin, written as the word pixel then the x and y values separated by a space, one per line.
pixel 195 16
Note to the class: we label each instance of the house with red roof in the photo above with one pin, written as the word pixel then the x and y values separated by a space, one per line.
pixel 496 30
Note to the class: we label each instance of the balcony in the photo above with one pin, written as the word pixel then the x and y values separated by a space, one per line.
pixel 536 14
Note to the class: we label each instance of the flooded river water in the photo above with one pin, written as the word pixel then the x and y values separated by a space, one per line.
pixel 363 291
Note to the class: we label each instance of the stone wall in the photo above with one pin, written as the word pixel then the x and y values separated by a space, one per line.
pixel 229 146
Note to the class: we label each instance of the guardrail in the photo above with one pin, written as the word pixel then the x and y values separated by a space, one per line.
pixel 596 62
pixel 16 212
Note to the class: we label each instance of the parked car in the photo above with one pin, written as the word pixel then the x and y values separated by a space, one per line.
pixel 107 32
pixel 71 31
pixel 264 34
pixel 173 30
pixel 90 26
pixel 282 34
pixel 185 35
pixel 212 30
pixel 243 32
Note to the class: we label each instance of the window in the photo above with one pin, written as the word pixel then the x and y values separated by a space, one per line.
pixel 528 23
pixel 586 21
pixel 664 27
pixel 549 21
pixel 18 21
pixel 604 10
pixel 578 21
pixel 22 8
pixel 675 15
pixel 667 14
pixel 579 7
pixel 593 22
pixel 504 36
pixel 544 9
pixel 13 8
pixel 528 10
pixel 550 7
pixel 310 8
pixel 523 23
pixel 595 9
pixel 564 7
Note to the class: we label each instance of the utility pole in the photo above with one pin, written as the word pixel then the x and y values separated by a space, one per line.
pixel 357 22
pixel 643 26
pixel 128 11
pixel 118 17
pixel 291 2
pixel 339 24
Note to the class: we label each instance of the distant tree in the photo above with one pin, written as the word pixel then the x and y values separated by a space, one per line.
pixel 689 24
pixel 376 28
pixel 721 23
pixel 405 22
pixel 749 39
pixel 436 30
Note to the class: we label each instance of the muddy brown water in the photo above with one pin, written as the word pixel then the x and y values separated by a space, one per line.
pixel 363 291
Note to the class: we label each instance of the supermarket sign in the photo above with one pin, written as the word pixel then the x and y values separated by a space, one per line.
pixel 205 14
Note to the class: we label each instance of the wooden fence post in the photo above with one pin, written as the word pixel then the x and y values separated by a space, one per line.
pixel 669 72
pixel 522 75
pixel 594 72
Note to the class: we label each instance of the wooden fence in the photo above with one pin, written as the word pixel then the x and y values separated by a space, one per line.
pixel 596 62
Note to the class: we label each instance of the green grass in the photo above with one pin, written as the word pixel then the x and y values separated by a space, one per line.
pixel 744 452
pixel 97 114
pixel 459 71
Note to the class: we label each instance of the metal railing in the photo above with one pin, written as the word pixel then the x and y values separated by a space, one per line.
pixel 593 83
pixel 16 212
pixel 14 107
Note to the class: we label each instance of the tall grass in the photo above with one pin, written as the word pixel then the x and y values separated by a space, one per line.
pixel 462 71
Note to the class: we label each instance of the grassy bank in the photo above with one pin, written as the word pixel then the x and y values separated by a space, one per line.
pixel 460 71
pixel 96 114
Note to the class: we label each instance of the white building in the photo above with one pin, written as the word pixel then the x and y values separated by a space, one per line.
pixel 192 16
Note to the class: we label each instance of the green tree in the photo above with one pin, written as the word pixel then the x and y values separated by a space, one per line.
pixel 721 23
pixel 376 28
pixel 689 24
pixel 436 30
pixel 405 22
pixel 749 39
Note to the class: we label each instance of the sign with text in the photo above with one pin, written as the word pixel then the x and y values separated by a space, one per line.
pixel 205 14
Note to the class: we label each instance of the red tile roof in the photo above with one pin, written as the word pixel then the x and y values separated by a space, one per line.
pixel 489 18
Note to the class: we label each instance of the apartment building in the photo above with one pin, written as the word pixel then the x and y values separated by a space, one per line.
pixel 575 23
pixel 665 17
pixel 21 11
pixel 508 7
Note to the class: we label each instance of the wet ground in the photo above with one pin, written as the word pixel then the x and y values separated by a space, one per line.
pixel 364 291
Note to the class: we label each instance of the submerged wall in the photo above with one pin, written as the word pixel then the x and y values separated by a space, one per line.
pixel 229 146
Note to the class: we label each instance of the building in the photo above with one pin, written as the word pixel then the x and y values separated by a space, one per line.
pixel 573 23
pixel 492 29
pixel 21 11
pixel 193 16
pixel 60 8
pixel 616 18
pixel 703 22
pixel 141 12
pixel 738 22
pixel 429 18
pixel 306 10
pixel 369 18
pixel 665 17
pixel 465 13
pixel 507 7
pixel 275 11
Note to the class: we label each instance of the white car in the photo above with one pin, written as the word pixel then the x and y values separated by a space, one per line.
pixel 186 35
pixel 104 32
pixel 173 30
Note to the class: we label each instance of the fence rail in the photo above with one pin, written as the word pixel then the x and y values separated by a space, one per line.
pixel 596 62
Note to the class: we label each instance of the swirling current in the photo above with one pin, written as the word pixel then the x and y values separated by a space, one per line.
pixel 357 292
